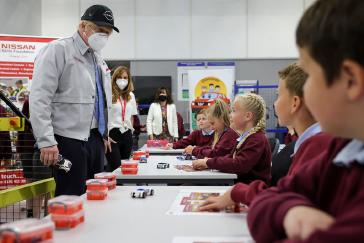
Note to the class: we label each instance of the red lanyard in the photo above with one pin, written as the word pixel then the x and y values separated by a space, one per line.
pixel 123 108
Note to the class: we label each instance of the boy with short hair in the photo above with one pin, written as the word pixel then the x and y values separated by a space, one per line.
pixel 201 137
pixel 324 201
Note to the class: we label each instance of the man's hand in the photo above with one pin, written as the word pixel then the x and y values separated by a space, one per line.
pixel 301 221
pixel 217 203
pixel 200 164
pixel 107 144
pixel 49 155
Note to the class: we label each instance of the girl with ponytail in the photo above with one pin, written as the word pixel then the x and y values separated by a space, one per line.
pixel 224 139
pixel 251 157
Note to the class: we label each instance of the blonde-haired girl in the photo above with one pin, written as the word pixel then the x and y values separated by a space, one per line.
pixel 251 157
pixel 224 137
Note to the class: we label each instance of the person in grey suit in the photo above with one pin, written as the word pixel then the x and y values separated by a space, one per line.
pixel 70 100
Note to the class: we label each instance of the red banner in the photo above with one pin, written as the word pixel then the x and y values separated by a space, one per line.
pixel 11 178
pixel 17 54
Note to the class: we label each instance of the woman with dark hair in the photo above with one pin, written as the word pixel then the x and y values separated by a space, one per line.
pixel 162 117
pixel 122 112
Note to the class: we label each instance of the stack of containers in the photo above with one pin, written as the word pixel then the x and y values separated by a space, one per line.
pixel 157 143
pixel 27 230
pixel 129 167
pixel 110 177
pixel 97 189
pixel 138 154
pixel 66 211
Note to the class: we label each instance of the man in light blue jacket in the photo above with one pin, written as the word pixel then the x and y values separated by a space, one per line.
pixel 70 98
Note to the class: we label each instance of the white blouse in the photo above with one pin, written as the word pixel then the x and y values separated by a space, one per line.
pixel 121 107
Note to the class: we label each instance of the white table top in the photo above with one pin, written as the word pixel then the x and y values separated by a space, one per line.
pixel 121 218
pixel 161 151
pixel 149 170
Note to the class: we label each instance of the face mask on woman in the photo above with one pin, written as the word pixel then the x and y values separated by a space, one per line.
pixel 162 97
pixel 122 83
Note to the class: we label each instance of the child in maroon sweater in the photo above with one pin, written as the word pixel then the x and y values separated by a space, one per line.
pixel 201 137
pixel 291 111
pixel 324 200
pixel 224 137
pixel 250 158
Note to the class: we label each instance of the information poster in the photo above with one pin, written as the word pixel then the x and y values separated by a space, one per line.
pixel 182 77
pixel 207 85
pixel 17 54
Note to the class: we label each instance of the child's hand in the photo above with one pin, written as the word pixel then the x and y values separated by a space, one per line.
pixel 189 149
pixel 169 146
pixel 217 203
pixel 200 164
pixel 301 221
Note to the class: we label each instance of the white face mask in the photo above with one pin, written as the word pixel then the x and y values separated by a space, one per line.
pixel 97 41
pixel 122 83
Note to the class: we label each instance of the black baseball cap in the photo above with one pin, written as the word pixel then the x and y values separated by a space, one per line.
pixel 100 15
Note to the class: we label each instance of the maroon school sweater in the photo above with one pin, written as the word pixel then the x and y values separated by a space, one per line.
pixel 196 138
pixel 252 160
pixel 336 190
pixel 312 147
pixel 224 146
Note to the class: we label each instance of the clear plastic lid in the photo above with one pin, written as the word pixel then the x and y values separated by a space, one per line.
pixel 96 182
pixel 27 227
pixel 65 204
pixel 105 175
pixel 66 200
pixel 128 162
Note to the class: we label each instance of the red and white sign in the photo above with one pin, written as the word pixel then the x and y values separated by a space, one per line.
pixel 11 177
pixel 17 54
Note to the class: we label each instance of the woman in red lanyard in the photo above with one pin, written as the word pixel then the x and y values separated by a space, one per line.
pixel 123 108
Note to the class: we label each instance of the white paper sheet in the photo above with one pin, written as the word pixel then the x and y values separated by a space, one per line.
pixel 188 201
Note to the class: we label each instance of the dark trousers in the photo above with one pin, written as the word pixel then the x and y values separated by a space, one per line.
pixel 87 158
pixel 119 150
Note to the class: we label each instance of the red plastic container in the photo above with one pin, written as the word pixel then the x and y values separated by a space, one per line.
pixel 129 164
pixel 27 230
pixel 111 184
pixel 65 205
pixel 129 171
pixel 156 143
pixel 138 154
pixel 68 221
pixel 96 194
pixel 96 184
pixel 106 175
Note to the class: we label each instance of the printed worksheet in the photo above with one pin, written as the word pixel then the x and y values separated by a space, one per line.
pixel 188 202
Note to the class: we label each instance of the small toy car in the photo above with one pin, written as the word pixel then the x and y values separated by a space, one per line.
pixel 149 191
pixel 162 165
pixel 139 194
pixel 143 159
pixel 186 157
pixel 63 164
